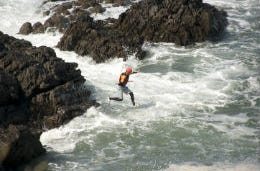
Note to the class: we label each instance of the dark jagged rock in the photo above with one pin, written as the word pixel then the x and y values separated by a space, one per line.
pixel 63 17
pixel 97 8
pixel 38 91
pixel 45 1
pixel 26 28
pixel 118 2
pixel 58 21
pixel 183 22
pixel 101 44
pixel 68 12
pixel 19 145
pixel 38 28
pixel 180 21
pixel 9 89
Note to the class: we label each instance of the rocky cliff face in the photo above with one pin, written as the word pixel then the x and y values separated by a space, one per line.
pixel 97 39
pixel 65 14
pixel 182 22
pixel 19 145
pixel 38 91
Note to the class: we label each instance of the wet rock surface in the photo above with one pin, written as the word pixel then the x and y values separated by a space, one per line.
pixel 26 28
pixel 178 21
pixel 182 22
pixel 19 144
pixel 97 39
pixel 38 91
pixel 62 15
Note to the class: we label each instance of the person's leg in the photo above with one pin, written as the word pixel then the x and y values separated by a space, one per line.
pixel 120 91
pixel 128 91
pixel 132 98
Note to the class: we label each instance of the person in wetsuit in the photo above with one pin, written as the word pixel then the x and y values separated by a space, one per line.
pixel 123 80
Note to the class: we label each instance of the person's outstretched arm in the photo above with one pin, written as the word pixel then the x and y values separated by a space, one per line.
pixel 134 72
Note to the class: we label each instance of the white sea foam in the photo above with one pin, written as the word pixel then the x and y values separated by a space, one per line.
pixel 16 12
pixel 217 167
pixel 65 138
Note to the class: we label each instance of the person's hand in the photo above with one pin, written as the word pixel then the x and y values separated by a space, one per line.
pixel 137 71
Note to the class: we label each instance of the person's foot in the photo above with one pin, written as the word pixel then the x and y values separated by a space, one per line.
pixel 133 103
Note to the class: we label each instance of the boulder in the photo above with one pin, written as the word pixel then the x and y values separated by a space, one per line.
pixel 63 8
pixel 68 12
pixel 183 22
pixel 38 28
pixel 60 22
pixel 62 16
pixel 101 44
pixel 38 91
pixel 179 21
pixel 26 28
pixel 97 8
pixel 18 145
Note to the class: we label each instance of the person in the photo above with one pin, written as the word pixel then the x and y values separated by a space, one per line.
pixel 123 80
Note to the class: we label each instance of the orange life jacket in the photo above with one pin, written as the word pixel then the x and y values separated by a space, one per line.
pixel 123 79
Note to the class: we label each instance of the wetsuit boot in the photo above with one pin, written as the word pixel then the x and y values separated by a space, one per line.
pixel 115 98
pixel 132 98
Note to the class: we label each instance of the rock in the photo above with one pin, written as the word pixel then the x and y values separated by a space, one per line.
pixel 46 13
pixel 39 72
pixel 9 89
pixel 18 146
pixel 26 28
pixel 140 54
pixel 118 2
pixel 97 8
pixel 63 8
pixel 180 21
pixel 45 1
pixel 12 111
pixel 97 39
pixel 58 21
pixel 62 17
pixel 38 28
pixel 68 12
pixel 38 91
pixel 183 22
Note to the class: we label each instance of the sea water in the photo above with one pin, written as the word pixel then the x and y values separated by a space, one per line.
pixel 198 107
